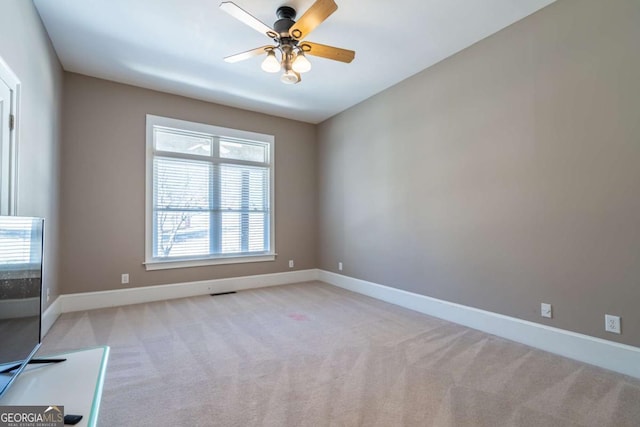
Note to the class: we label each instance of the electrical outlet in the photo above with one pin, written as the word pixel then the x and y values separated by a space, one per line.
pixel 290 263
pixel 125 279
pixel 546 310
pixel 612 324
pixel 340 266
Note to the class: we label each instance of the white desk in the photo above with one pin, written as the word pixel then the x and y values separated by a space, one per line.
pixel 75 383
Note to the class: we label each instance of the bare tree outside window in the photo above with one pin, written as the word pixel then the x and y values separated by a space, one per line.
pixel 181 193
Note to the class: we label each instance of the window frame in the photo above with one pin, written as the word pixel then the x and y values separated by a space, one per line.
pixel 152 263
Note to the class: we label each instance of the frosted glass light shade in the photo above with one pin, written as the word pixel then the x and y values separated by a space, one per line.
pixel 289 77
pixel 301 64
pixel 271 63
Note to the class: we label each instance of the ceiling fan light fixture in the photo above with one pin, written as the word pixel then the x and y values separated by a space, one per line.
pixel 301 64
pixel 290 77
pixel 289 38
pixel 271 63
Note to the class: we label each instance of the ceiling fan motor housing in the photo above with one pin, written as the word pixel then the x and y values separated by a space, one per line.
pixel 286 15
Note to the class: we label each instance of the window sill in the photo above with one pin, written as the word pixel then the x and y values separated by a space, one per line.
pixel 165 265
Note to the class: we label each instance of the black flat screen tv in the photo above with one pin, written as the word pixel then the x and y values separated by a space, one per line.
pixel 21 242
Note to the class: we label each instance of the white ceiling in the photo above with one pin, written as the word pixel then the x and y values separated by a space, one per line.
pixel 177 46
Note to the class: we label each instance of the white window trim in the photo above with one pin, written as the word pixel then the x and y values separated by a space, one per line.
pixel 154 264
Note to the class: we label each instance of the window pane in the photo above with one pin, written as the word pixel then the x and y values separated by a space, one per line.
pixel 244 187
pixel 182 234
pixel 259 189
pixel 180 142
pixel 231 233
pixel 257 232
pixel 181 184
pixel 17 241
pixel 243 232
pixel 181 190
pixel 242 150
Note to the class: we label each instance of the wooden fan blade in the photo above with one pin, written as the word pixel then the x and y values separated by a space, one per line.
pixel 329 52
pixel 318 12
pixel 246 18
pixel 248 54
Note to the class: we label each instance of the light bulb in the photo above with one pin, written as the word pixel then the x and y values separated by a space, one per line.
pixel 271 63
pixel 301 64
pixel 290 77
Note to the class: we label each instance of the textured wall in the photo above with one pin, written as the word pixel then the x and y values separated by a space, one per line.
pixel 103 185
pixel 502 177
pixel 25 47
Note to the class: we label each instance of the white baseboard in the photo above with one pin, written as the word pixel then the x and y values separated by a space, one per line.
pixel 610 355
pixel 119 297
pixel 596 351
pixel 49 317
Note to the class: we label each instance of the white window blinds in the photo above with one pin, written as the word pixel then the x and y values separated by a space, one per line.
pixel 20 241
pixel 211 194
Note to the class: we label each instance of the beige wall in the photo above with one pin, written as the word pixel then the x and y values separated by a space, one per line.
pixel 505 176
pixel 25 47
pixel 502 177
pixel 103 185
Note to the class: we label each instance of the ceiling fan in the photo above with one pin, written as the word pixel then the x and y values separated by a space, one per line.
pixel 288 36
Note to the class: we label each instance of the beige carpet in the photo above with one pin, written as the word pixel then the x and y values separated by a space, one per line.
pixel 314 355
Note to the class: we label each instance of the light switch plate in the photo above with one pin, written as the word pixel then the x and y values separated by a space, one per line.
pixel 546 310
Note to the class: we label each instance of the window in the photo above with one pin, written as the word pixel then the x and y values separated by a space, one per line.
pixel 19 237
pixel 209 195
